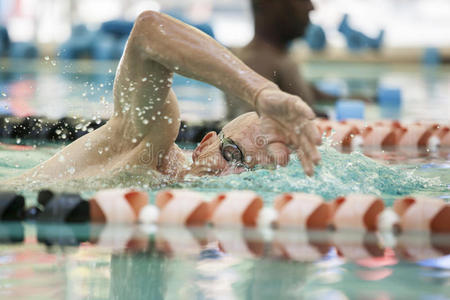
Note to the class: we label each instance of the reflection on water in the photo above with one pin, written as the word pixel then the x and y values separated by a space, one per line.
pixel 146 262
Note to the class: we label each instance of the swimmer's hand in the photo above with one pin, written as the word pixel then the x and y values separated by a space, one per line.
pixel 286 119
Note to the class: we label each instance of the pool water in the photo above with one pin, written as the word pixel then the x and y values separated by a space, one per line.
pixel 145 262
pixel 44 261
pixel 338 174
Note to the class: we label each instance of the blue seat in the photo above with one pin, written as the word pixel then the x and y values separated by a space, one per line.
pixel 118 28
pixel 431 56
pixel 336 88
pixel 388 96
pixel 104 47
pixel 4 41
pixel 315 37
pixel 356 40
pixel 121 46
pixel 390 101
pixel 79 45
pixel 349 109
pixel 23 50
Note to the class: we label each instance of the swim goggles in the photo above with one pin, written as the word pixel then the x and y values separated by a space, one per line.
pixel 231 152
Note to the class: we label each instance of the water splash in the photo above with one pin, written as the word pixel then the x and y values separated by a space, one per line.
pixel 338 174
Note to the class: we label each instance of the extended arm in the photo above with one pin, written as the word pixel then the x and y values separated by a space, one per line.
pixel 189 52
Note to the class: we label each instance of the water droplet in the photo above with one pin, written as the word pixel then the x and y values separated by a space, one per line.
pixel 71 170
pixel 176 68
pixel 144 79
pixel 134 140
pixel 63 136
pixel 109 71
pixel 47 58
pixel 61 158
pixel 3 94
pixel 53 63
pixel 100 151
pixel 58 131
pixel 18 140
pixel 131 89
pixel 145 121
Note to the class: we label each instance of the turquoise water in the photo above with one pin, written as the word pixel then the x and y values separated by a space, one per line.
pixel 338 174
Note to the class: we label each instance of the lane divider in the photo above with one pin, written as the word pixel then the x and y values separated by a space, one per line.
pixel 234 208
pixel 68 129
pixel 348 133
pixel 385 133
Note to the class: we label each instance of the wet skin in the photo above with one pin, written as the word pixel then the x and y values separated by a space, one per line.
pixel 146 118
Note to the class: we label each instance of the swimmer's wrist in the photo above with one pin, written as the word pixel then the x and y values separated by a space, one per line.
pixel 267 86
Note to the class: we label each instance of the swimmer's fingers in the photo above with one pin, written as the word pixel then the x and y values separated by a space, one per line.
pixel 313 133
pixel 310 150
pixel 302 109
pixel 306 162
pixel 308 155
pixel 307 129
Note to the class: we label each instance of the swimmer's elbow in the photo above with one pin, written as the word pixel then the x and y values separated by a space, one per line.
pixel 147 18
pixel 146 34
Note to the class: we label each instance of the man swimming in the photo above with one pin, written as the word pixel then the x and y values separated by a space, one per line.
pixel 146 119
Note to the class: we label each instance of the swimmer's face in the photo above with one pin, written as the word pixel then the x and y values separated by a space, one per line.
pixel 241 148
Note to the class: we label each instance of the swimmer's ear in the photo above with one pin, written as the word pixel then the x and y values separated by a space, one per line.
pixel 207 140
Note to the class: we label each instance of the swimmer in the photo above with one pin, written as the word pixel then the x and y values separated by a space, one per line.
pixel 277 24
pixel 146 120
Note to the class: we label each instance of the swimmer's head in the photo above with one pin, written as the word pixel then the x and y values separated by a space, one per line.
pixel 289 18
pixel 238 148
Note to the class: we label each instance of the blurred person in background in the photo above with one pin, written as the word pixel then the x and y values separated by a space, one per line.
pixel 277 23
